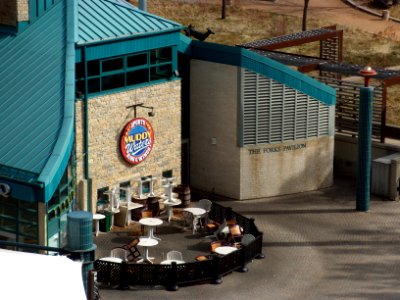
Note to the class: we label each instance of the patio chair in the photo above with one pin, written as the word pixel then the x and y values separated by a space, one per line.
pixel 214 245
pixel 206 205
pixel 211 227
pixel 203 257
pixel 235 234
pixel 133 253
pixel 174 255
pixel 187 219
pixel 247 239
pixel 231 222
pixel 145 214
pixel 120 253
pixel 219 234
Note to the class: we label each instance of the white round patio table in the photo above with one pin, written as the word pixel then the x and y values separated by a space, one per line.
pixel 97 218
pixel 151 223
pixel 169 204
pixel 197 212
pixel 112 259
pixel 146 243
pixel 170 261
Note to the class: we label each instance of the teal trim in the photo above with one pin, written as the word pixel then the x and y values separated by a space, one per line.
pixel 14 29
pixel 174 59
pixel 184 45
pixel 132 87
pixel 37 8
pixel 128 46
pixel 22 26
pixel 244 58
pixel 58 161
pixel 23 190
pixel 86 99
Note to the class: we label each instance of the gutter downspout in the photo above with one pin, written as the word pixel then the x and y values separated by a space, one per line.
pixel 86 113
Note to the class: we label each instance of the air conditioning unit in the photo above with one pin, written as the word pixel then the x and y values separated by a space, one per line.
pixel 386 176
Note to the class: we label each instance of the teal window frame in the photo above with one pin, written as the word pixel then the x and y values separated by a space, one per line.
pixel 149 67
pixel 23 220
pixel 61 204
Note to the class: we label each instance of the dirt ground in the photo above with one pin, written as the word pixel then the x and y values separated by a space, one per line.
pixel 337 11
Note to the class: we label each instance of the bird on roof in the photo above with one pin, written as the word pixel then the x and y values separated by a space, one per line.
pixel 201 36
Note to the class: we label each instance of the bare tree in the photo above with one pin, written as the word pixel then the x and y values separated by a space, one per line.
pixel 305 10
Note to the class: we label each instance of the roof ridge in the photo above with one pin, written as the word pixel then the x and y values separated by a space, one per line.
pixel 128 5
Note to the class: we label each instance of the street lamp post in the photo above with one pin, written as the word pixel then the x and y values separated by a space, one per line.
pixel 364 141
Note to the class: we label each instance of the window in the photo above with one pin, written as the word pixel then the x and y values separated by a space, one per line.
pixel 101 196
pixel 146 184
pixel 18 220
pixel 122 192
pixel 112 65
pixel 167 174
pixel 137 60
pixel 124 71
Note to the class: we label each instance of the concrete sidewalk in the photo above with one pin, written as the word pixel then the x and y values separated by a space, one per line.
pixel 317 247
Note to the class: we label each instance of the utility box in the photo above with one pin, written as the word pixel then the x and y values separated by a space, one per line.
pixel 386 176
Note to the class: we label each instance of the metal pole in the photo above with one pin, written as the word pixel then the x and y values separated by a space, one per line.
pixel 223 9
pixel 364 142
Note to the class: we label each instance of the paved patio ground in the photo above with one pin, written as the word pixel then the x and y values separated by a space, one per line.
pixel 316 246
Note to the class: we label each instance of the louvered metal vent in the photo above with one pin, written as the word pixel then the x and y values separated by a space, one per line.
pixel 275 113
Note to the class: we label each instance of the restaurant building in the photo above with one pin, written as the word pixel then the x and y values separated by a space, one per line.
pixel 98 95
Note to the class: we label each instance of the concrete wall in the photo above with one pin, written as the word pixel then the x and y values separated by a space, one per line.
pixel 219 166
pixel 107 117
pixel 214 154
pixel 346 154
pixel 277 169
pixel 13 11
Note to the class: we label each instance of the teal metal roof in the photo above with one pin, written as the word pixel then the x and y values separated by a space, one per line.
pixel 244 58
pixel 104 20
pixel 36 126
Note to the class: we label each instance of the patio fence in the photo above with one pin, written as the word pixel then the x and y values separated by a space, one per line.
pixel 125 274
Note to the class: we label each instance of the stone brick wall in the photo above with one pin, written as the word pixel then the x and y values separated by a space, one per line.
pixel 23 10
pixel 107 117
pixel 13 11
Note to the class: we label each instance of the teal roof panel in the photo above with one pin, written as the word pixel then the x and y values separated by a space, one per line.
pixel 104 20
pixel 32 97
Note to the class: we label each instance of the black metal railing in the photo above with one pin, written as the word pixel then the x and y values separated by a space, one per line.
pixel 125 274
